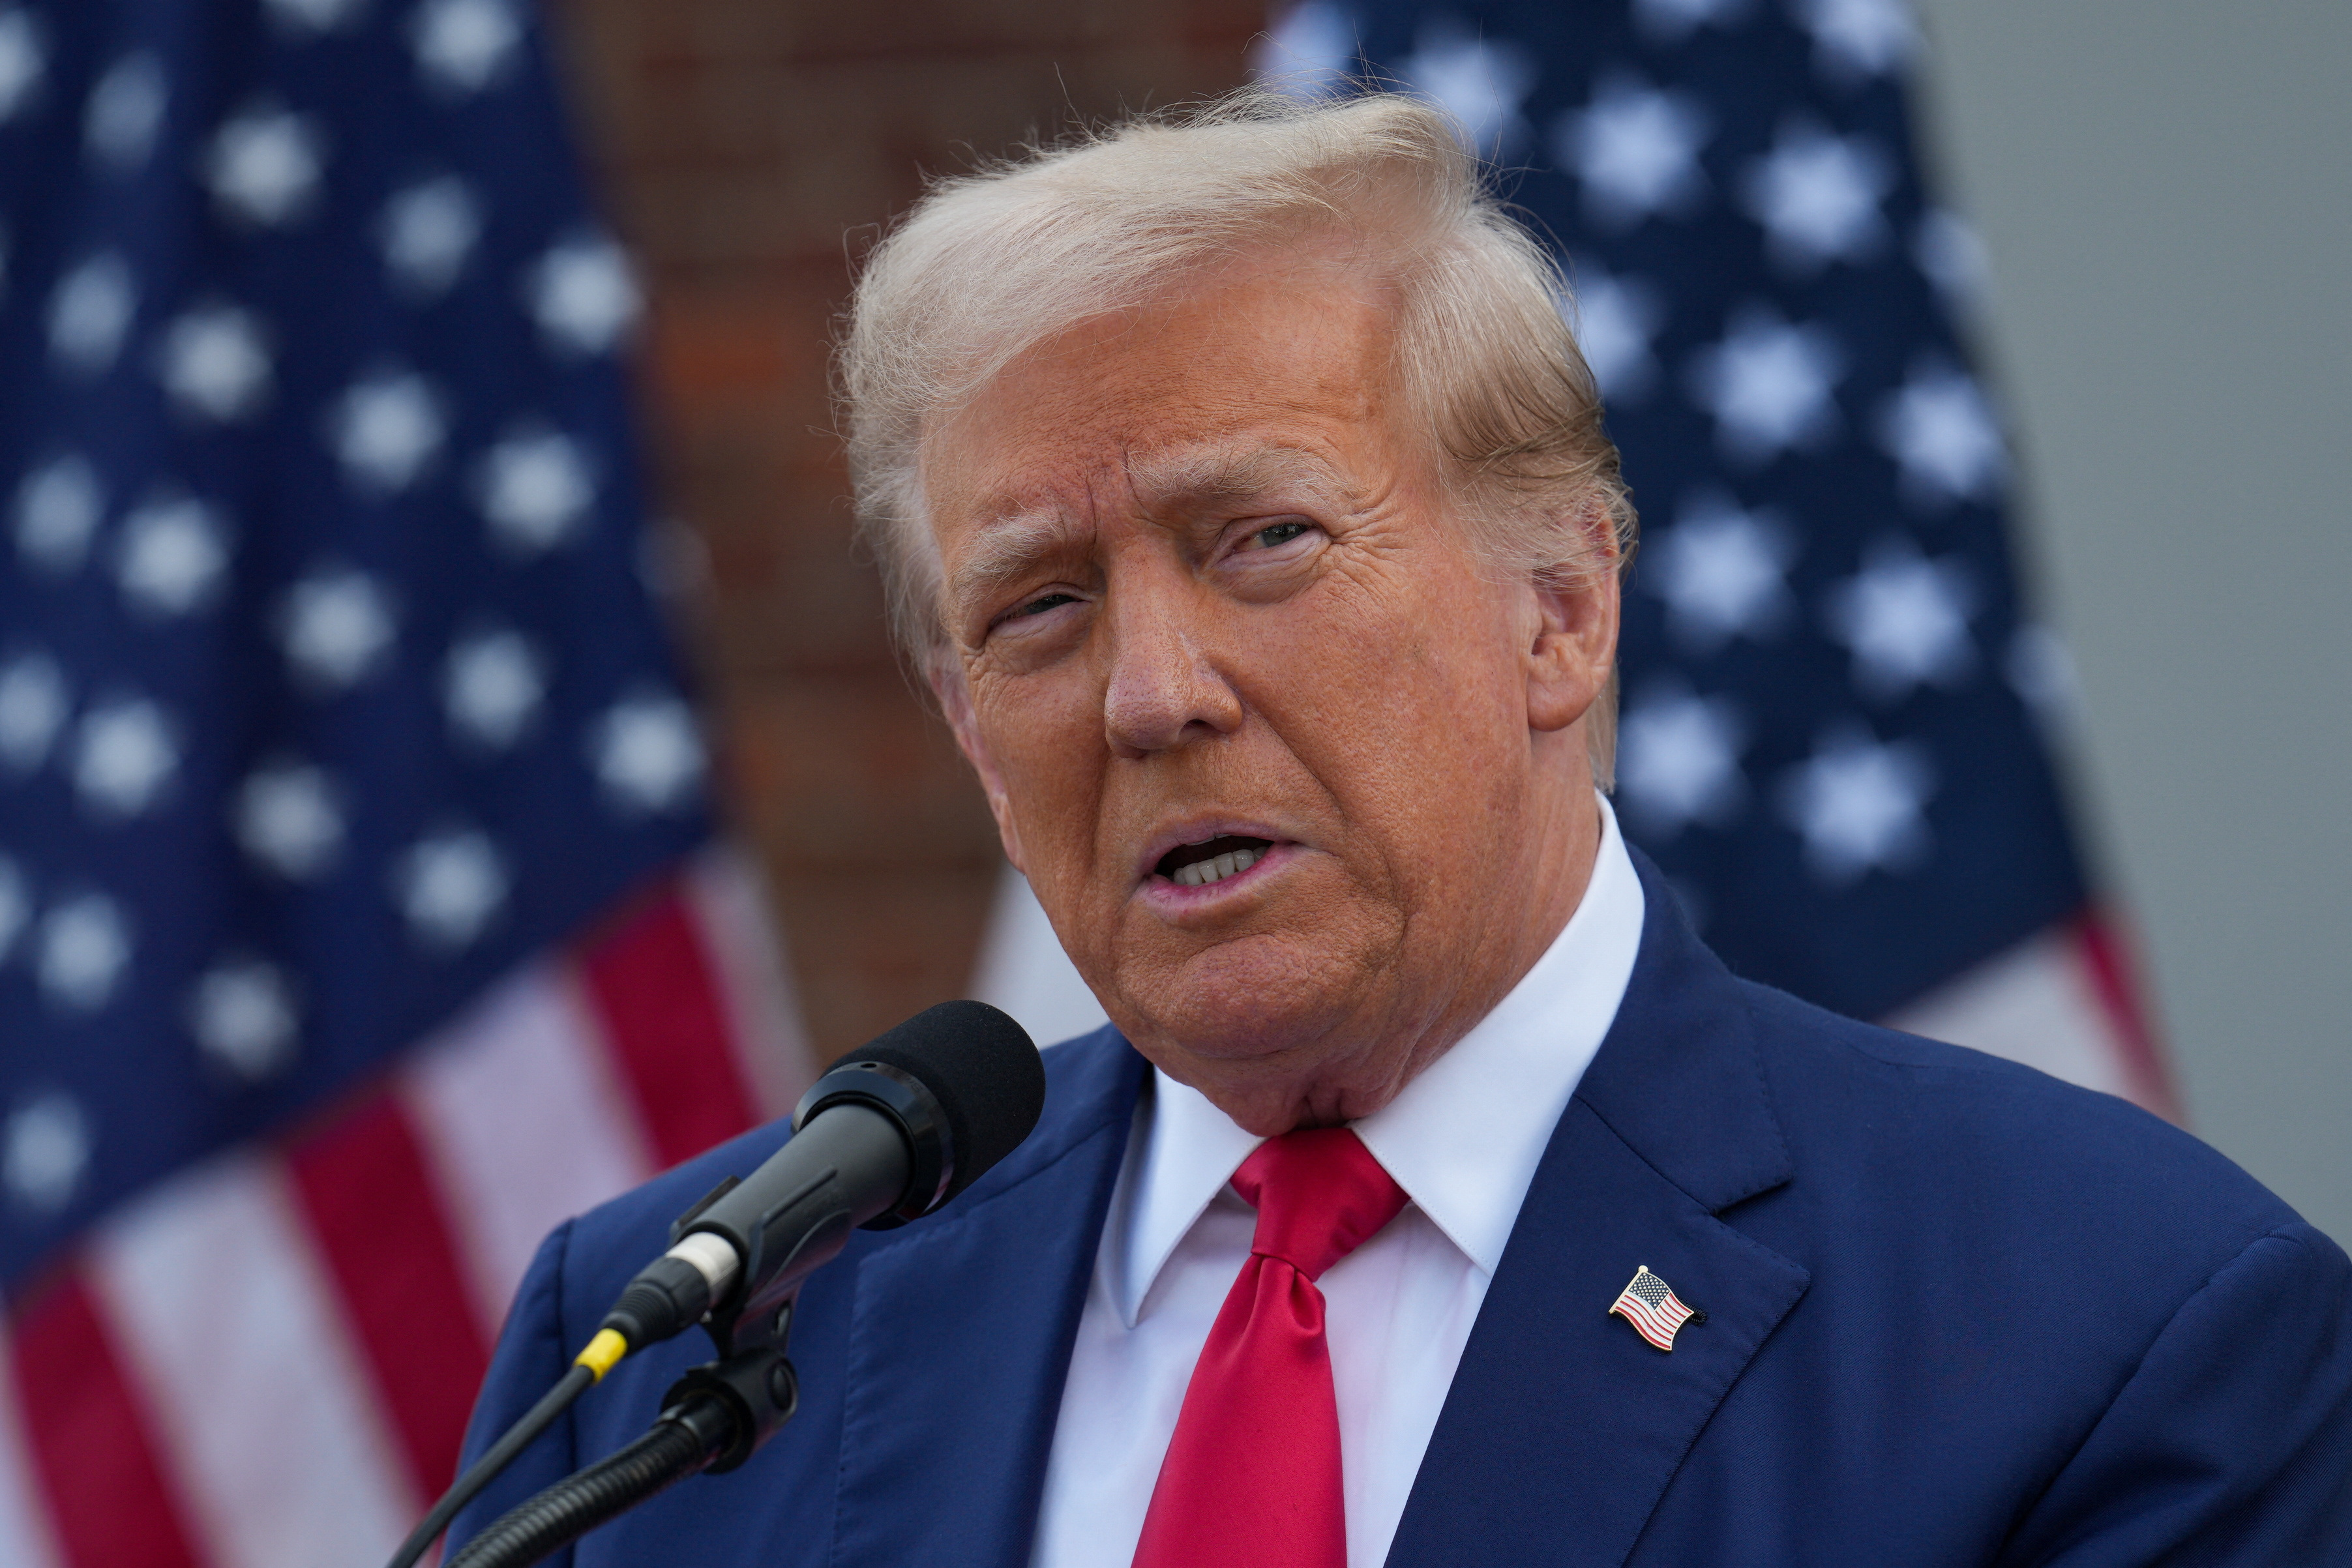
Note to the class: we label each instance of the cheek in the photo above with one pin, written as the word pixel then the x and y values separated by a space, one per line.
pixel 1027 721
pixel 1413 656
pixel 1045 733
pixel 1408 702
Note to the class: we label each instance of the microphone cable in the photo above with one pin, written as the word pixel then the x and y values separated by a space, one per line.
pixel 588 1369
pixel 683 1442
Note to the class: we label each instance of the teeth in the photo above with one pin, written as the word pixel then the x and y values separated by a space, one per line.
pixel 1201 873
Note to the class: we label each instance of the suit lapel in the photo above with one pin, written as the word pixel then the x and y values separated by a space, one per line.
pixel 1563 1426
pixel 960 1335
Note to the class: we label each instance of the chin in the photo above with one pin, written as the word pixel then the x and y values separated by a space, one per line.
pixel 1239 1002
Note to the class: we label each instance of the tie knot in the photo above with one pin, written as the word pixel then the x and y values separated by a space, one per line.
pixel 1319 1194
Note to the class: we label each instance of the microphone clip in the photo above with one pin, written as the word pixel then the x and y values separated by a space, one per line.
pixel 735 1404
pixel 745 1323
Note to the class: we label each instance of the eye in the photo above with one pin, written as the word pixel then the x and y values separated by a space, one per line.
pixel 1037 606
pixel 1275 534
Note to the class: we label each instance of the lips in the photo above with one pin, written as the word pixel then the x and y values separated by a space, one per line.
pixel 1206 851
pixel 1198 866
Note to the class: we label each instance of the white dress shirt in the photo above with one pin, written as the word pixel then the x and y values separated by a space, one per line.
pixel 1463 1139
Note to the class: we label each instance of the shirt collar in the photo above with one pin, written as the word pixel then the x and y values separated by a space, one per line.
pixel 1463 1139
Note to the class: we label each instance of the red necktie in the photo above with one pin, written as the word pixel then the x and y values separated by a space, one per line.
pixel 1252 1477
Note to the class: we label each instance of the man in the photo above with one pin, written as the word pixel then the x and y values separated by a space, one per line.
pixel 1435 1197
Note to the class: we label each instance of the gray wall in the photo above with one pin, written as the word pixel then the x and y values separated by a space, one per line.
pixel 2162 187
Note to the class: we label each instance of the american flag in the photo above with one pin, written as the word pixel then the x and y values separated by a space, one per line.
pixel 359 913
pixel 1835 736
pixel 1652 1307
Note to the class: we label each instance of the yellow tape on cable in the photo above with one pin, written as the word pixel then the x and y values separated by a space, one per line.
pixel 606 1348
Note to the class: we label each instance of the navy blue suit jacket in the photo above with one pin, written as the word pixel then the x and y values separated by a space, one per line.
pixel 1957 1313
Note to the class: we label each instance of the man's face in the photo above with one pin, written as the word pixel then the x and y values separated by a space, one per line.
pixel 1298 780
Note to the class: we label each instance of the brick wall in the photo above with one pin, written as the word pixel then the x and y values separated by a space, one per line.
pixel 746 146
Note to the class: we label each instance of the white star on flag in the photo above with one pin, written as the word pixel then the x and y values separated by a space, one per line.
pixel 1614 320
pixel 288 819
pixel 1906 618
pixel 44 1152
pixel 1679 761
pixel 1859 38
pixel 1950 252
pixel 90 313
pixel 1940 430
pixel 243 1014
pixel 428 230
pixel 386 429
pixel 647 754
pixel 24 57
pixel 264 164
pixel 463 45
pixel 1767 384
pixel 337 627
pixel 314 15
pixel 581 294
pixel 214 363
pixel 1479 82
pixel 58 511
pixel 1635 147
pixel 493 687
pixel 82 946
pixel 1723 572
pixel 33 706
pixel 2041 669
pixel 1672 20
pixel 450 885
pixel 173 556
pixel 535 487
pixel 125 110
pixel 1859 805
pixel 1308 53
pixel 124 755
pixel 1818 195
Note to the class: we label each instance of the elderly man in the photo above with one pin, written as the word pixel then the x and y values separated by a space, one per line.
pixel 1436 1197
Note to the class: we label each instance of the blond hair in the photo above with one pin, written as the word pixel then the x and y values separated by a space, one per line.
pixel 990 264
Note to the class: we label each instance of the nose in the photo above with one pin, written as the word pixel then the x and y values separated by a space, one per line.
pixel 1164 689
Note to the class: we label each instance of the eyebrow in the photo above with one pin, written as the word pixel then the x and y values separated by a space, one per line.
pixel 1168 481
pixel 1008 548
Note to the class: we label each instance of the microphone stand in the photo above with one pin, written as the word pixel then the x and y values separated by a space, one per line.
pixel 711 1421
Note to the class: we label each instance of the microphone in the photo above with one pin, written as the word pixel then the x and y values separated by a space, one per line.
pixel 892 1131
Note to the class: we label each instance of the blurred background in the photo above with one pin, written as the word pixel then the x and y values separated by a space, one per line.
pixel 542 802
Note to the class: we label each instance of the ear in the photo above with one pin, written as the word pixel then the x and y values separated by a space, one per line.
pixel 947 685
pixel 1574 648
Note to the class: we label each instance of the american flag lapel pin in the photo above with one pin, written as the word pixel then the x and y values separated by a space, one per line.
pixel 1650 1304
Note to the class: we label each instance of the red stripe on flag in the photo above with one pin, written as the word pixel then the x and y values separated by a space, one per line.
pixel 108 1499
pixel 2108 959
pixel 370 1200
pixel 656 992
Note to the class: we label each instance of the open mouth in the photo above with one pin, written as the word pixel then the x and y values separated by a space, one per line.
pixel 1214 859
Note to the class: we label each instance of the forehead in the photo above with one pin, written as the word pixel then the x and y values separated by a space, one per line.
pixel 1254 377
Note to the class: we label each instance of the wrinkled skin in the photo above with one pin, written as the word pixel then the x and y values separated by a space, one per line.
pixel 1199 578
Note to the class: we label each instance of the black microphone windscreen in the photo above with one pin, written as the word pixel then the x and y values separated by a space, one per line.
pixel 985 1071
